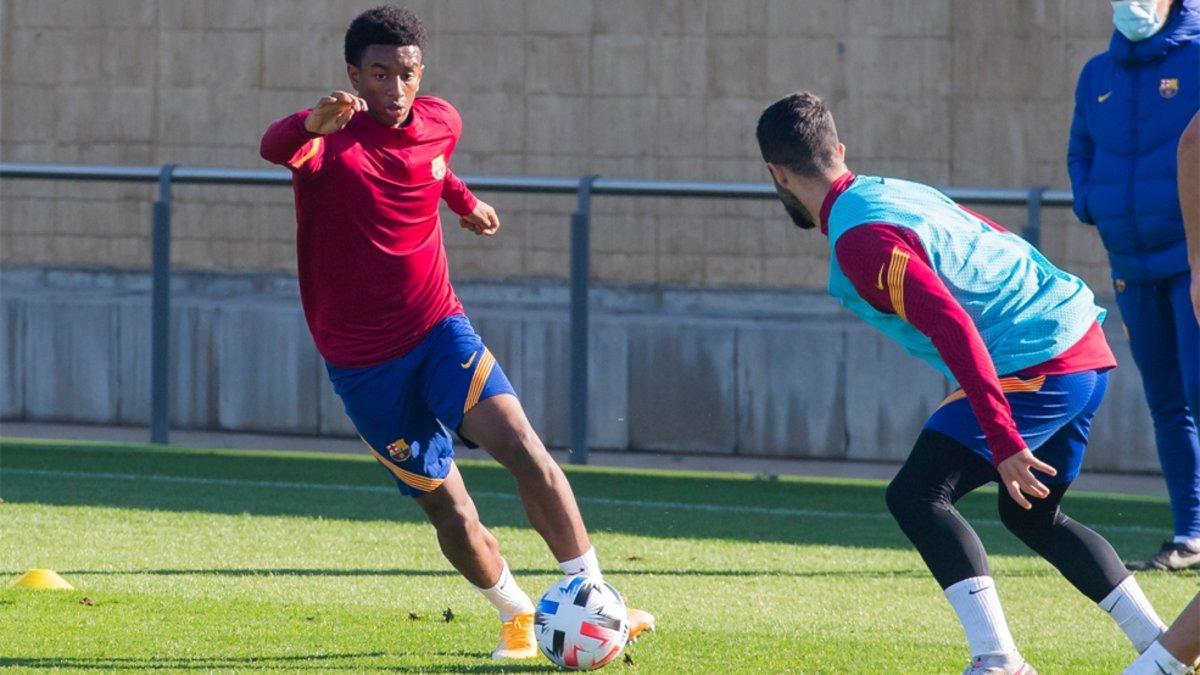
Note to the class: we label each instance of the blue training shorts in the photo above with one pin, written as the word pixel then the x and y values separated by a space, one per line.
pixel 1053 414
pixel 403 408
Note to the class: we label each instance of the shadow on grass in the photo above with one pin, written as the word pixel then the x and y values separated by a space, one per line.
pixel 188 663
pixel 740 507
pixel 859 573
pixel 289 663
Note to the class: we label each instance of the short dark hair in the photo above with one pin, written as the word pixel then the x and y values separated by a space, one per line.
pixel 383 25
pixel 797 132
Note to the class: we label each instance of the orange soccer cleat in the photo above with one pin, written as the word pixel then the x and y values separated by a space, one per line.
pixel 516 639
pixel 640 621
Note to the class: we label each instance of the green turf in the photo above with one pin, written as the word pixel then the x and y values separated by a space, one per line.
pixel 220 561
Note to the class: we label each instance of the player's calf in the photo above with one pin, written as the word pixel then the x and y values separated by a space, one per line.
pixel 1086 560
pixel 465 542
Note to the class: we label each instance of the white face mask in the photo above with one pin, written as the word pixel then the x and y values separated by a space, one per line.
pixel 1136 19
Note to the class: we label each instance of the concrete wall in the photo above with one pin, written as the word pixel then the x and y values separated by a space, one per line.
pixel 677 369
pixel 949 91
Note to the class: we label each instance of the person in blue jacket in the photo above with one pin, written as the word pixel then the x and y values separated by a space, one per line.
pixel 1132 104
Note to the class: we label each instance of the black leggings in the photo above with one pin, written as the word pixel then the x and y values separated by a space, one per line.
pixel 940 471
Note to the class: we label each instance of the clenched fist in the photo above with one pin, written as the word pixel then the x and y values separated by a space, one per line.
pixel 482 221
pixel 333 112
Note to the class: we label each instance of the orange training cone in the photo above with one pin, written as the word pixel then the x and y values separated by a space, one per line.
pixel 46 580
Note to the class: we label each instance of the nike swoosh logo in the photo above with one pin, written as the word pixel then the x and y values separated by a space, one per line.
pixel 469 361
pixel 1103 97
pixel 978 590
pixel 879 279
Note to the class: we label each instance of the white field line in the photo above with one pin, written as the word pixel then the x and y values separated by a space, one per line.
pixel 601 501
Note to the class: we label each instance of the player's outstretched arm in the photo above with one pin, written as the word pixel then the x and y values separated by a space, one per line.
pixel 333 112
pixel 294 140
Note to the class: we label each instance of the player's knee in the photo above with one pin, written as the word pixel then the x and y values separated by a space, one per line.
pixel 460 525
pixel 538 469
pixel 522 444
pixel 901 499
pixel 453 518
pixel 526 458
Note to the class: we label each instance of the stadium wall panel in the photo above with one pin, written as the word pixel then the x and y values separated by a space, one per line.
pixel 677 369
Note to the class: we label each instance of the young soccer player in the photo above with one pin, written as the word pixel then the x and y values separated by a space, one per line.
pixel 369 169
pixel 1021 337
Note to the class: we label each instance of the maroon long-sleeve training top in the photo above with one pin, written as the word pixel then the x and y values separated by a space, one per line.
pixel 373 272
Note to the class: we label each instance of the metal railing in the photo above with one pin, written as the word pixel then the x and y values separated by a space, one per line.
pixel 585 187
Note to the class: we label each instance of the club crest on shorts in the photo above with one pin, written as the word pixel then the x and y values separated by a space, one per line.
pixel 439 167
pixel 1168 87
pixel 398 450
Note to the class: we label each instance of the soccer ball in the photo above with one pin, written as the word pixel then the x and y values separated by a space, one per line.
pixel 581 623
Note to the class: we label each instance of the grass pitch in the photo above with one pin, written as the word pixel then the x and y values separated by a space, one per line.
pixel 229 561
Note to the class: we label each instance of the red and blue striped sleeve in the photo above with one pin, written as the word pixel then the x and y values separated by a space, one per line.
pixel 890 270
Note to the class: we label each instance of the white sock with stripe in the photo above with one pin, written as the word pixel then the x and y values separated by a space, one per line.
pixel 978 607
pixel 586 564
pixel 1156 660
pixel 507 597
pixel 1128 606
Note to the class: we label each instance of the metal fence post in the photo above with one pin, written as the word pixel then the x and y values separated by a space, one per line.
pixel 160 313
pixel 1033 223
pixel 580 225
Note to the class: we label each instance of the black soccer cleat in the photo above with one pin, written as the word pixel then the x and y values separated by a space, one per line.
pixel 1172 557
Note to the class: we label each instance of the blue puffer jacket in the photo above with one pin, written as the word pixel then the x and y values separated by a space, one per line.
pixel 1132 103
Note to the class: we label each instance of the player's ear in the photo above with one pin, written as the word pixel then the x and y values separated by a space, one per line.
pixel 354 74
pixel 841 151
pixel 778 174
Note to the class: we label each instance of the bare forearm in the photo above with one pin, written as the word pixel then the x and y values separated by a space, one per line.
pixel 1189 188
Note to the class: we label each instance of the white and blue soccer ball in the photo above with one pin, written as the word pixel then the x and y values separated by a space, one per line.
pixel 581 623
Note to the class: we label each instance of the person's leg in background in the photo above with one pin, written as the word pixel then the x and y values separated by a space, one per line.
pixel 1155 336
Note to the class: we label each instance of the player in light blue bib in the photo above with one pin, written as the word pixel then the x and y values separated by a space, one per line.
pixel 1021 337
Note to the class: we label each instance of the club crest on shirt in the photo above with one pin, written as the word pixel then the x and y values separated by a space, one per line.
pixel 1168 87
pixel 398 450
pixel 1119 284
pixel 439 167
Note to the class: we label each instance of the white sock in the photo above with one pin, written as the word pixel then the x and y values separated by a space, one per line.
pixel 1156 660
pixel 1192 543
pixel 1128 606
pixel 978 607
pixel 507 597
pixel 585 564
